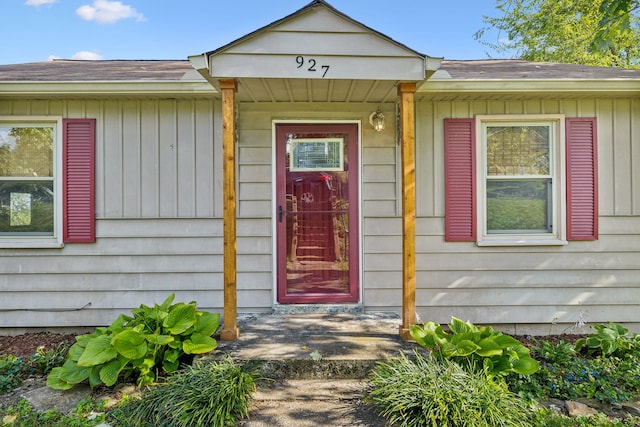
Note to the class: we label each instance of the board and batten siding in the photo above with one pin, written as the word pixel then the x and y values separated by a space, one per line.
pixel 159 226
pixel 593 281
pixel 158 217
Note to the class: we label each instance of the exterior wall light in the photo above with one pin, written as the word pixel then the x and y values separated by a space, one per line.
pixel 377 120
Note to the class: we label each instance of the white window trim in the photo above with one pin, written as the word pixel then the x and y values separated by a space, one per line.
pixel 54 241
pixel 558 169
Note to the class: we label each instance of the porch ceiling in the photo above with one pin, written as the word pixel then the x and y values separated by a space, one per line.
pixel 315 90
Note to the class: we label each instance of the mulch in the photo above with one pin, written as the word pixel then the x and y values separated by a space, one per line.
pixel 25 345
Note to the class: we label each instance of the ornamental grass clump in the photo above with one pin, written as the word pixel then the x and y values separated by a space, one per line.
pixel 213 394
pixel 427 391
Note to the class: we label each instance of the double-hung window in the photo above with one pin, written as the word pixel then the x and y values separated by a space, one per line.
pixel 47 181
pixel 521 189
pixel 30 186
pixel 521 179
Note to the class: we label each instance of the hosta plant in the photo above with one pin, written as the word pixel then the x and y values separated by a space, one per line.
pixel 476 347
pixel 141 346
pixel 609 339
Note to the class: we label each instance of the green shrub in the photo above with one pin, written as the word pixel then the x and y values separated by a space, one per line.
pixel 551 418
pixel 476 347
pixel 86 414
pixel 438 392
pixel 142 346
pixel 214 394
pixel 11 373
pixel 607 379
pixel 43 361
pixel 609 339
pixel 14 369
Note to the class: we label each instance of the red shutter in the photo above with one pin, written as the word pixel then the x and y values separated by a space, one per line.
pixel 460 180
pixel 78 212
pixel 582 179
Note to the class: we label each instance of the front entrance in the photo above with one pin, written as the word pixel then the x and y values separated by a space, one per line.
pixel 317 213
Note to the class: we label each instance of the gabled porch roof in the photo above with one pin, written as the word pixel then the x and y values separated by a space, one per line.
pixel 316 54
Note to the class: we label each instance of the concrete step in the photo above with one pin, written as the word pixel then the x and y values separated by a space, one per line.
pixel 316 345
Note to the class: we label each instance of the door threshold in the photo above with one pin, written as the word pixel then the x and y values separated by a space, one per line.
pixel 318 308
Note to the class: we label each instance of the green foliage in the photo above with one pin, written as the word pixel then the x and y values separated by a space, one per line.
pixel 438 392
pixel 11 373
pixel 551 418
pixel 567 31
pixel 564 374
pixel 616 19
pixel 560 353
pixel 86 414
pixel 609 339
pixel 152 341
pixel 476 347
pixel 212 394
pixel 14 369
pixel 43 361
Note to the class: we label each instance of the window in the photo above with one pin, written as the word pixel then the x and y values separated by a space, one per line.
pixel 46 181
pixel 28 183
pixel 520 180
pixel 521 189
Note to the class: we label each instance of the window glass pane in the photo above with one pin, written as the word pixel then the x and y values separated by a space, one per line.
pixel 517 150
pixel 316 154
pixel 26 208
pixel 518 206
pixel 26 151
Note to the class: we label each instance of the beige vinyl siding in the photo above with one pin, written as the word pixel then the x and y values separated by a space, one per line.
pixel 158 210
pixel 133 262
pixel 154 158
pixel 596 281
pixel 159 227
pixel 315 44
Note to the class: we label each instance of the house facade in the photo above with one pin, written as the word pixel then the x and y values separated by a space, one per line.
pixel 316 162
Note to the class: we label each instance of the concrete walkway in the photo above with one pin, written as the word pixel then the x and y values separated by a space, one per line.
pixel 319 363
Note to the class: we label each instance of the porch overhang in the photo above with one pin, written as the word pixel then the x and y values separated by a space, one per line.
pixel 317 54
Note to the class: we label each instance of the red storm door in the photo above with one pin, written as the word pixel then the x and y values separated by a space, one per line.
pixel 317 213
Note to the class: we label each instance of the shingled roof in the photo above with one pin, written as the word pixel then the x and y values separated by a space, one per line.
pixel 175 70
pixel 516 69
pixel 63 70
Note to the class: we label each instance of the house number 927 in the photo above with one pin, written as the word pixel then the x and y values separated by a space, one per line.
pixel 311 65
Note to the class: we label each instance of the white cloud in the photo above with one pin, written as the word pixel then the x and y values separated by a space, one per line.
pixel 87 56
pixel 37 3
pixel 83 55
pixel 108 12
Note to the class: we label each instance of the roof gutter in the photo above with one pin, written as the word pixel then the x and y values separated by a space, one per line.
pixel 106 88
pixel 534 86
pixel 201 65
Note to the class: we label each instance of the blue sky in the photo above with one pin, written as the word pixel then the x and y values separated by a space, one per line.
pixel 39 30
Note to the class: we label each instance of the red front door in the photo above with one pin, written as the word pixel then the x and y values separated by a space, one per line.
pixel 317 213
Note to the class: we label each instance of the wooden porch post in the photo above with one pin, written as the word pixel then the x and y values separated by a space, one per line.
pixel 406 93
pixel 230 329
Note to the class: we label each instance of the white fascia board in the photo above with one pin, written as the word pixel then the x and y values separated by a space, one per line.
pixel 453 86
pixel 107 88
pixel 432 63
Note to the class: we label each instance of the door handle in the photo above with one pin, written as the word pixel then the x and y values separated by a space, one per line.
pixel 280 213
